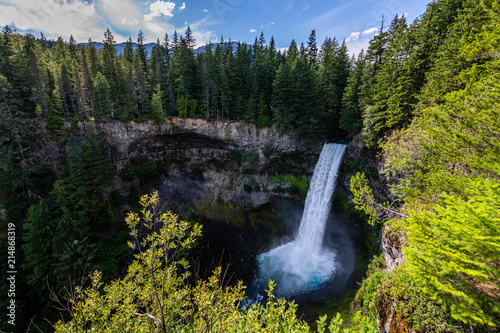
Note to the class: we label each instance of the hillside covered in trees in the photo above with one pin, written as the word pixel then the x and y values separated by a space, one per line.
pixel 424 95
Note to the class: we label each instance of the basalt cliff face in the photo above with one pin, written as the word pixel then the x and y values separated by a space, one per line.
pixel 202 160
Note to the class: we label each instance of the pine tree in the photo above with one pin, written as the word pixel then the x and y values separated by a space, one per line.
pixel 312 49
pixel 33 73
pixel 190 41
pixel 295 97
pixel 112 73
pixel 94 62
pixel 140 77
pixel 102 103
pixel 157 104
pixel 87 84
pixel 453 21
pixel 184 71
pixel 7 101
pixel 166 76
pixel 128 51
pixel 72 48
pixel 381 85
pixel 350 115
pixel 333 75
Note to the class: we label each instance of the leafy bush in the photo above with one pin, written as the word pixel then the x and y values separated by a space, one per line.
pixel 129 173
pixel 354 165
pixel 136 303
pixel 148 171
pixel 250 156
pixel 247 188
pixel 134 194
pixel 268 151
pixel 251 186
pixel 414 305
pixel 367 294
pixel 240 156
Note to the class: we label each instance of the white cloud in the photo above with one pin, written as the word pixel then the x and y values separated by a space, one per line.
pixel 272 23
pixel 356 46
pixel 205 10
pixel 352 37
pixel 262 27
pixel 160 8
pixel 253 30
pixel 369 31
pixel 54 18
pixel 306 7
pixel 183 6
pixel 201 33
pixel 124 14
pixel 157 29
pixel 329 16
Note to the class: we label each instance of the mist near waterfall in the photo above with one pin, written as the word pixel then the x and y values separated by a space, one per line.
pixel 318 256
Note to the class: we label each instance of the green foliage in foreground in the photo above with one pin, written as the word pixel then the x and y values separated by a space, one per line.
pixel 367 295
pixel 445 165
pixel 455 253
pixel 414 305
pixel 155 296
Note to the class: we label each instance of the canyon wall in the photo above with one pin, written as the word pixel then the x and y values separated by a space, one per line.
pixel 201 161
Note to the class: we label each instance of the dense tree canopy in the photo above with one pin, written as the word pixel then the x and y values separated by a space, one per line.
pixel 226 80
pixel 425 94
pixel 445 168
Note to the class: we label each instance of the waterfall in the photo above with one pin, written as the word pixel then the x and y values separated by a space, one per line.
pixel 303 264
pixel 318 201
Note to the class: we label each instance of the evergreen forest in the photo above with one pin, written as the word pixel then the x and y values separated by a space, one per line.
pixel 424 97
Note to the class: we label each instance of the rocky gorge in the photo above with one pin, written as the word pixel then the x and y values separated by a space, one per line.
pixel 248 178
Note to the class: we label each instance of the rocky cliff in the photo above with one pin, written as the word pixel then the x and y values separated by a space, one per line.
pixel 200 160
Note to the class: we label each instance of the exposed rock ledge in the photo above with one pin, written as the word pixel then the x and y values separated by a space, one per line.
pixel 127 137
pixel 388 319
pixel 190 146
pixel 392 246
pixel 130 139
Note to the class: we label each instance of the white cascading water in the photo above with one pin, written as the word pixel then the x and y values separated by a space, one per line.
pixel 303 264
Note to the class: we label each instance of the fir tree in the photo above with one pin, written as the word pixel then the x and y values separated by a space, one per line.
pixel 350 114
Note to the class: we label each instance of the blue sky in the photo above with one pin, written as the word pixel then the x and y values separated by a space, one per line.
pixel 240 20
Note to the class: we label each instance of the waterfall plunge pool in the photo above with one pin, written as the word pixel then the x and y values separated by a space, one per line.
pixel 296 269
pixel 305 265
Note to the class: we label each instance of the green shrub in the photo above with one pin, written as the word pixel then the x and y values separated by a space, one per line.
pixel 355 165
pixel 371 285
pixel 293 189
pixel 414 305
pixel 129 173
pixel 278 189
pixel 148 171
pixel 268 151
pixel 367 294
pixel 256 187
pixel 247 188
pixel 134 194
